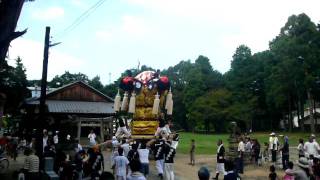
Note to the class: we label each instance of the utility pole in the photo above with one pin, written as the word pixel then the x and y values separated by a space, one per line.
pixel 47 45
pixel 44 73
pixel 40 122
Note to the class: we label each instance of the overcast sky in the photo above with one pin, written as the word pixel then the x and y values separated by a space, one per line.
pixel 158 33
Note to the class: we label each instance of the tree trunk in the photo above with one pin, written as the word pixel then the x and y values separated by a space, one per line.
pixel 290 114
pixel 315 114
pixel 9 15
pixel 302 115
pixel 298 112
pixel 311 112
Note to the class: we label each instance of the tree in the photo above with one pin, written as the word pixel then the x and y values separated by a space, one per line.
pixel 212 110
pixel 13 82
pixel 96 83
pixel 243 82
pixel 9 15
pixel 67 78
pixel 297 49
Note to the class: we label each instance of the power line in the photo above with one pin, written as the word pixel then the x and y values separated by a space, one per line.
pixel 81 18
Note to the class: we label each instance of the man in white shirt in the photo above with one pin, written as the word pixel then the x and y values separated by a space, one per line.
pixel 241 149
pixel 44 139
pixel 248 145
pixel 115 144
pixel 125 146
pixel 274 143
pixel 120 165
pixel 92 138
pixel 144 158
pixel 56 138
pixel 311 148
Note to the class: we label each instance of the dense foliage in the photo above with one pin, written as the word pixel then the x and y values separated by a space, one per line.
pixel 258 91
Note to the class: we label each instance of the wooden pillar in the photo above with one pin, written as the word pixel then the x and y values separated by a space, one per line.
pixel 101 130
pixel 79 129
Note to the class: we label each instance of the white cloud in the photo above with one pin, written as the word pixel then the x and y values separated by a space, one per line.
pixel 103 35
pixel 129 27
pixel 31 53
pixel 134 25
pixel 79 3
pixel 51 13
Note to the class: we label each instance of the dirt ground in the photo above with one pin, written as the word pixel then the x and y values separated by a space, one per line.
pixel 185 171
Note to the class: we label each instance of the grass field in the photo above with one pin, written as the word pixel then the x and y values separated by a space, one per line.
pixel 206 144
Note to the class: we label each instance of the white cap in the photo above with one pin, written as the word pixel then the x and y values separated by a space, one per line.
pixel 272 134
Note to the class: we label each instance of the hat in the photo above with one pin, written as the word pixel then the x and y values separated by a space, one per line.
pixel 57 131
pixel 114 138
pixel 303 162
pixel 272 134
pixel 312 135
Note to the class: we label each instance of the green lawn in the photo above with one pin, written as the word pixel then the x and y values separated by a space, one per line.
pixel 206 144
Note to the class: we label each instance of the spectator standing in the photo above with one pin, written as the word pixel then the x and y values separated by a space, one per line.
pixel 273 175
pixel 44 139
pixel 285 153
pixel 120 165
pixel 92 138
pixel 56 138
pixel 49 150
pixel 135 167
pixel 241 149
pixel 31 165
pixel 248 145
pixel 144 159
pixel 192 151
pixel 78 146
pixel 220 159
pixel 311 148
pixel 256 150
pixel 266 152
pixel 274 143
pixel 300 148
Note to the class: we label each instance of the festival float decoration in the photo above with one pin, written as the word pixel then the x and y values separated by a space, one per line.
pixel 147 103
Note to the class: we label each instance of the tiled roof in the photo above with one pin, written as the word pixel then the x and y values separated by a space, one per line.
pixel 84 107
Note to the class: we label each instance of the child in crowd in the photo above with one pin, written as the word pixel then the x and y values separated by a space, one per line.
pixel 273 174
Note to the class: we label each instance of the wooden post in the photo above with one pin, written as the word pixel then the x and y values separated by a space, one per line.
pixel 101 129
pixel 79 130
pixel 44 73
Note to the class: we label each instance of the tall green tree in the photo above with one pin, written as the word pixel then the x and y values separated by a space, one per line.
pixel 296 49
pixel 13 82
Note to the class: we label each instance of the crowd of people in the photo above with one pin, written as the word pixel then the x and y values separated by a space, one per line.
pixel 275 152
pixel 129 157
